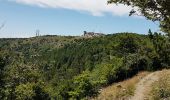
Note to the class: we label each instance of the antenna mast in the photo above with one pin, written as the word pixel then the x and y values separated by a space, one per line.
pixel 37 32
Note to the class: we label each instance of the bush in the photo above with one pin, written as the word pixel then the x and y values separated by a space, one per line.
pixel 83 87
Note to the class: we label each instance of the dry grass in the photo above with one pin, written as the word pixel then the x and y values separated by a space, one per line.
pixel 121 90
pixel 161 88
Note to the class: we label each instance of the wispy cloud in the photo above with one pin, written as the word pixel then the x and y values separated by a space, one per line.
pixel 94 7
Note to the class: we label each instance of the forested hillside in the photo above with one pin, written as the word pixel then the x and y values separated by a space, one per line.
pixel 57 67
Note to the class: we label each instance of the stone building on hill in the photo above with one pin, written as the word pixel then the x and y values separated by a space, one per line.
pixel 92 34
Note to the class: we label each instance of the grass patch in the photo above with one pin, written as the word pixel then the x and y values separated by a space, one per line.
pixel 161 88
pixel 121 90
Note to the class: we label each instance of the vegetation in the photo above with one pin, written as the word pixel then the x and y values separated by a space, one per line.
pixel 56 67
pixel 161 89
pixel 155 10
pixel 121 90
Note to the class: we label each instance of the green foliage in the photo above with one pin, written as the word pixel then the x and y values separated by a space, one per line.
pixel 2 67
pixel 106 73
pixel 155 10
pixel 31 91
pixel 76 67
pixel 161 46
pixel 128 44
pixel 40 94
pixel 24 91
pixel 17 74
pixel 82 87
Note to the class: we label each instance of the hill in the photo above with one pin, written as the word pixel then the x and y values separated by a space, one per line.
pixel 64 67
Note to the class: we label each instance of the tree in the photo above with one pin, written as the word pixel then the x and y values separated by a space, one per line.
pixel 25 91
pixel 155 10
pixel 83 87
pixel 16 78
pixel 2 67
pixel 161 46
pixel 128 44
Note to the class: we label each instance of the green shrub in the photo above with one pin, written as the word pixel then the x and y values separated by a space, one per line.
pixel 82 87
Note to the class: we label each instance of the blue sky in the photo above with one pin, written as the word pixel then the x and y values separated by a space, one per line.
pixel 62 17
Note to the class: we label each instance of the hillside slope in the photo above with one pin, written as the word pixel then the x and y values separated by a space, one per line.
pixel 56 67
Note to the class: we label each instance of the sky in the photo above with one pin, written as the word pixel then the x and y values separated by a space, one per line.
pixel 68 17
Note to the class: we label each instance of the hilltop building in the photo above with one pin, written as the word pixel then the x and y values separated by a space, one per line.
pixel 92 34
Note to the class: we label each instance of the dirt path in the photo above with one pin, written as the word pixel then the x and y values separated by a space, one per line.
pixel 143 87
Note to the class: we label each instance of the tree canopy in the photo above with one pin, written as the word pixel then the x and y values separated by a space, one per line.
pixel 155 10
